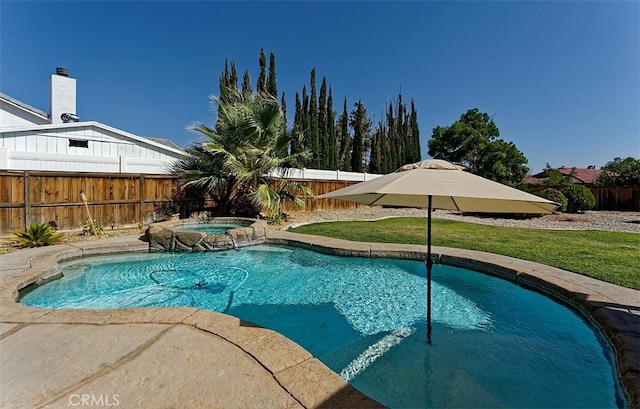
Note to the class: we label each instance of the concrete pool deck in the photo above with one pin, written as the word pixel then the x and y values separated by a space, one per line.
pixel 186 357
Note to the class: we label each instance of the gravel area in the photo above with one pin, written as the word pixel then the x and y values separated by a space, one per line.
pixel 591 220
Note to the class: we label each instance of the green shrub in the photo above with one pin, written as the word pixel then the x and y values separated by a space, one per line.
pixel 579 198
pixel 37 235
pixel 555 196
pixel 277 218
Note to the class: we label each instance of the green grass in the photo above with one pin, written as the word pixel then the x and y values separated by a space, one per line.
pixel 613 257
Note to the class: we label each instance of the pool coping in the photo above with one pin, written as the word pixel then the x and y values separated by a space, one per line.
pixel 615 309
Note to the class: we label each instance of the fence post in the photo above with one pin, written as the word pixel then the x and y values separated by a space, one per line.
pixel 27 203
pixel 141 193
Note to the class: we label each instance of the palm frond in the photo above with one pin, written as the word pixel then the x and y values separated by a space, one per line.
pixel 267 198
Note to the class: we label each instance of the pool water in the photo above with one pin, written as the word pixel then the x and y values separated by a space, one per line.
pixel 495 345
pixel 209 228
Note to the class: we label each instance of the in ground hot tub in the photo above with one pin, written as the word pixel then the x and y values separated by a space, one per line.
pixel 220 233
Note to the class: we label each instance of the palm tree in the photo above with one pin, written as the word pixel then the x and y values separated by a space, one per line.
pixel 238 157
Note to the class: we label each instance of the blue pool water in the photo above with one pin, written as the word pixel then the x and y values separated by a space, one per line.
pixel 209 228
pixel 495 345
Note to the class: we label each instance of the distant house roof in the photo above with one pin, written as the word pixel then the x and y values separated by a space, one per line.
pixel 165 142
pixel 23 106
pixel 581 176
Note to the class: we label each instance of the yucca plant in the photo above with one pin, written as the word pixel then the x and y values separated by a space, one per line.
pixel 94 227
pixel 37 235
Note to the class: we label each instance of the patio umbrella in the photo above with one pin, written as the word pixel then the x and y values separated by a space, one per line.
pixel 438 184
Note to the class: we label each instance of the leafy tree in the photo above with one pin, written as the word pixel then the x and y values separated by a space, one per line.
pixel 238 156
pixel 460 142
pixel 502 162
pixel 620 172
pixel 557 179
pixel 473 142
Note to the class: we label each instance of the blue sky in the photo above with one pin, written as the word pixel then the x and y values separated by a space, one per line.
pixel 560 78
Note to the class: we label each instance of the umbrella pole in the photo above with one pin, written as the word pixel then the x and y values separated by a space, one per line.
pixel 429 266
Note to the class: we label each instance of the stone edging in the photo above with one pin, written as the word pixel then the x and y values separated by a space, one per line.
pixel 615 309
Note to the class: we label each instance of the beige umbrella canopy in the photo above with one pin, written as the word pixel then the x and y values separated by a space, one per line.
pixel 438 184
pixel 450 187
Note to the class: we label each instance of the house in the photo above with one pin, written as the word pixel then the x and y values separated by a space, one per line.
pixel 31 139
pixel 580 176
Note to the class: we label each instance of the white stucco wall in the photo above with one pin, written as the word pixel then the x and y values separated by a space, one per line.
pixel 107 150
pixel 12 115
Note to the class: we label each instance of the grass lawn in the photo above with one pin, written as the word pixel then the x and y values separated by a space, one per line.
pixel 608 256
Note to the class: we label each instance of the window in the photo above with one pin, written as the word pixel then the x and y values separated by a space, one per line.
pixel 78 143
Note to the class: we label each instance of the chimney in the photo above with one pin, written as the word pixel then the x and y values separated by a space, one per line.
pixel 62 97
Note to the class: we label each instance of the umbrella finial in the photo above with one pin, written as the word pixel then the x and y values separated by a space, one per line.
pixel 438 164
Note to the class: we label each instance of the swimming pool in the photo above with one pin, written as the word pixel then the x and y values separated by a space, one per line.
pixel 495 344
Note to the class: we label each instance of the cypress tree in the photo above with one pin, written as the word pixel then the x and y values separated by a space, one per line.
pixel 332 143
pixel 223 84
pixel 233 77
pixel 400 134
pixel 375 155
pixel 390 159
pixel 223 89
pixel 361 128
pixel 272 88
pixel 297 129
pixel 415 134
pixel 385 149
pixel 262 77
pixel 345 140
pixel 305 142
pixel 246 85
pixel 323 145
pixel 283 106
pixel 313 138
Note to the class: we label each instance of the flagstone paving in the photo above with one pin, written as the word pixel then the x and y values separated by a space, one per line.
pixel 186 357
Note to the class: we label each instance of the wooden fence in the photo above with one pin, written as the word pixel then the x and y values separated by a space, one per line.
pixel 126 199
pixel 43 197
pixel 617 198
pixel 121 199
